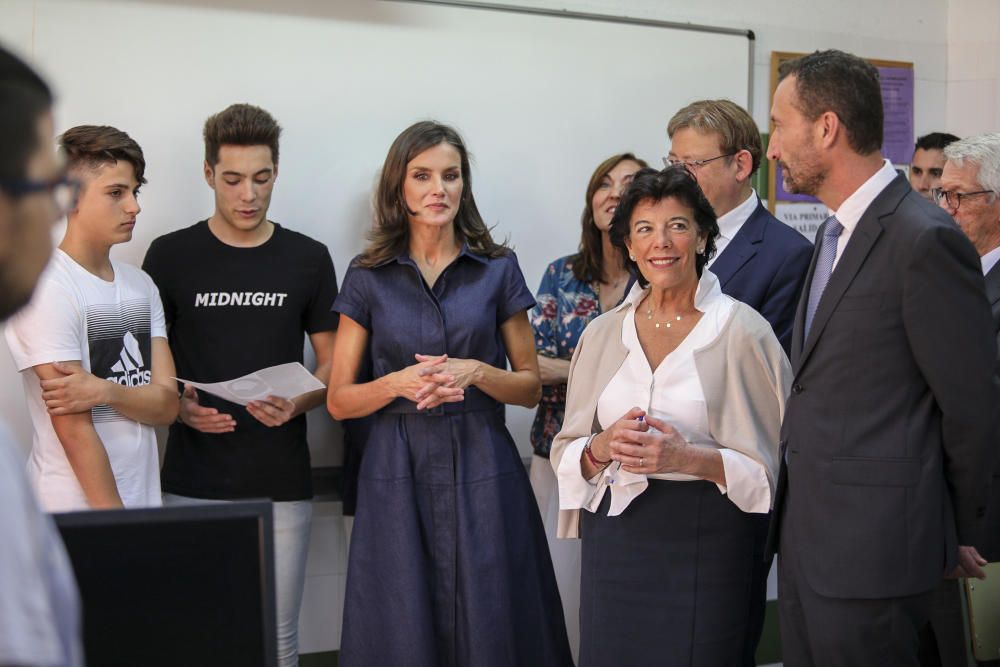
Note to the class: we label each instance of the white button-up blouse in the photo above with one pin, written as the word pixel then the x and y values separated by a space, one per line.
pixel 673 393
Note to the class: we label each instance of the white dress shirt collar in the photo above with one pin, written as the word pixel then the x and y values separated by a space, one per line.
pixel 732 222
pixel 709 289
pixel 990 259
pixel 850 212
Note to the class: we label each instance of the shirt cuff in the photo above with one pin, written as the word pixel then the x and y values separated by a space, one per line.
pixel 746 482
pixel 575 490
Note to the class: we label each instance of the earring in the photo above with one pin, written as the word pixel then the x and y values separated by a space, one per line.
pixel 701 251
pixel 632 257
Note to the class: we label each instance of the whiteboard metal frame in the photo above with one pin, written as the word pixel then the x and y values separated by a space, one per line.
pixel 610 18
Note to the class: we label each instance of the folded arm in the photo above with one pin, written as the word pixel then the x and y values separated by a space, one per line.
pixel 70 389
pixel 84 450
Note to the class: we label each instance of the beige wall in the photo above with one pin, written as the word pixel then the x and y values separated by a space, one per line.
pixel 973 99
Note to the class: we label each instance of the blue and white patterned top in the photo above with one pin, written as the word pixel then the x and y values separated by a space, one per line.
pixel 564 307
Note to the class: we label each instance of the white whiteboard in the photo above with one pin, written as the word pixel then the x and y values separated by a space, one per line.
pixel 540 101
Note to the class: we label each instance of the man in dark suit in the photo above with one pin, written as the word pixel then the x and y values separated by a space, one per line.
pixel 886 435
pixel 968 190
pixel 760 260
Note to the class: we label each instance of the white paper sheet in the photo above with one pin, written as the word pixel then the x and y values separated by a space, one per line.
pixel 284 380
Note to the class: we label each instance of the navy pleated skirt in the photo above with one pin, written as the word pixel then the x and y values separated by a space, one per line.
pixel 449 564
pixel 670 581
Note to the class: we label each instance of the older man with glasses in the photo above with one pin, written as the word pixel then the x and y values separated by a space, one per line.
pixel 760 261
pixel 970 192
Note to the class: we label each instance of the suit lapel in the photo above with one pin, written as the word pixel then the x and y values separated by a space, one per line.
pixel 742 248
pixel 858 247
pixel 993 285
pixel 800 311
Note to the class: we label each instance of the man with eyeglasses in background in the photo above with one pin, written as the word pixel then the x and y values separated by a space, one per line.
pixel 970 192
pixel 928 162
pixel 92 344
pixel 759 260
pixel 39 602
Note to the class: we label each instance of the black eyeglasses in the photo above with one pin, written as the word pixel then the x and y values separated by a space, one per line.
pixel 693 165
pixel 954 199
pixel 64 190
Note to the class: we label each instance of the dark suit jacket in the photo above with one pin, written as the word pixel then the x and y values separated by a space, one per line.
pixel 764 266
pixel 889 424
pixel 991 528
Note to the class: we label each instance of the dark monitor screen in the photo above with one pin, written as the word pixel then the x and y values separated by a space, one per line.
pixel 172 586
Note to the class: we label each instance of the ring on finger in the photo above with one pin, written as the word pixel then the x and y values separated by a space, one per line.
pixel 642 462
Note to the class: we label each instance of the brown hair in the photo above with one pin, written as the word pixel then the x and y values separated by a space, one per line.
pixel 588 263
pixel 844 84
pixel 240 125
pixel 390 233
pixel 92 146
pixel 736 128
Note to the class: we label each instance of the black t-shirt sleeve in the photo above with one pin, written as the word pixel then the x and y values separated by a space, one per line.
pixel 156 264
pixel 319 315
pixel 352 300
pixel 515 295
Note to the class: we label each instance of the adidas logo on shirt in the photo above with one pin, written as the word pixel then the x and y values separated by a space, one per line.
pixel 129 367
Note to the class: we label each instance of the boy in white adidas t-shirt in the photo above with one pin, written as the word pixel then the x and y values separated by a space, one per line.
pixel 91 345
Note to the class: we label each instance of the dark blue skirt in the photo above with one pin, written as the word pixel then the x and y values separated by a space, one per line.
pixel 449 563
pixel 670 581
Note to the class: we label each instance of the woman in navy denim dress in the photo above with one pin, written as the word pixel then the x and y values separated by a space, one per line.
pixel 448 562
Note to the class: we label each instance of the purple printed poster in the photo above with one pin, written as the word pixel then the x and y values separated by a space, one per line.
pixel 897 103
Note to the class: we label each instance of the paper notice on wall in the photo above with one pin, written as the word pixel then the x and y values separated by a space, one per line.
pixel 284 380
pixel 804 218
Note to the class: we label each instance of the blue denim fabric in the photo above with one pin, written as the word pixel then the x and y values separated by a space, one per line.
pixel 448 563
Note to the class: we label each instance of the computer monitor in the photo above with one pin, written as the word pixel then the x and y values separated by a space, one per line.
pixel 191 585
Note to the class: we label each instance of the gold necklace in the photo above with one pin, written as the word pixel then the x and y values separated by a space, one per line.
pixel 667 324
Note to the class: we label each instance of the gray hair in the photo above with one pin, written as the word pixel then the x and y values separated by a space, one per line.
pixel 982 150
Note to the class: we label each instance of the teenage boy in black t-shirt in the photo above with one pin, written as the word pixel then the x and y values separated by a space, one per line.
pixel 239 292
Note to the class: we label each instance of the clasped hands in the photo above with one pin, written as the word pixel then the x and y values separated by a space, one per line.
pixel 639 450
pixel 435 380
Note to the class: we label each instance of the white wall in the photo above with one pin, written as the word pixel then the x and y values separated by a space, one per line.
pixel 908 30
pixel 973 66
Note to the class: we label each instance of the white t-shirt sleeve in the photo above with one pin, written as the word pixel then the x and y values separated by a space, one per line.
pixel 49 328
pixel 157 321
pixel 746 482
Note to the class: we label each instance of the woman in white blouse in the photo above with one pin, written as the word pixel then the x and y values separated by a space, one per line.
pixel 670 445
